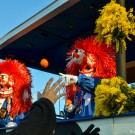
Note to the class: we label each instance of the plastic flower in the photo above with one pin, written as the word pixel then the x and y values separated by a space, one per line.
pixel 115 25
pixel 114 96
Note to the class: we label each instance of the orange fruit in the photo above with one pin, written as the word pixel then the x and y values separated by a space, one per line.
pixel 44 63
pixel 68 102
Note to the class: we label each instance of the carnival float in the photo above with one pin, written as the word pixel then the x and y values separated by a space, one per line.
pixel 100 94
pixel 114 98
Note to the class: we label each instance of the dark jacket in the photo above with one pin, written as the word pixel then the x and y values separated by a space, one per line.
pixel 40 121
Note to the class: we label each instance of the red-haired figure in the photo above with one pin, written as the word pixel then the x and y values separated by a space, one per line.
pixel 88 62
pixel 15 92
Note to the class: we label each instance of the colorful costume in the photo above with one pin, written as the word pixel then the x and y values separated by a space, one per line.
pixel 89 62
pixel 15 92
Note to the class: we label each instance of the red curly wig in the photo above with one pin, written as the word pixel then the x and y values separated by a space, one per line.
pixel 21 98
pixel 105 56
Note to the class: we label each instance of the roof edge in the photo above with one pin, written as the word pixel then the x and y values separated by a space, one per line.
pixel 36 20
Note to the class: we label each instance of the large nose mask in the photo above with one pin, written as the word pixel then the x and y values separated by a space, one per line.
pixel 78 55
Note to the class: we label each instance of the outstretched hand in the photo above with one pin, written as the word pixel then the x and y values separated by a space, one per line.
pixel 89 131
pixel 51 92
pixel 69 79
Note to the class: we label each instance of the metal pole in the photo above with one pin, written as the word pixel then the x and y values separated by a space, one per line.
pixel 121 2
pixel 121 55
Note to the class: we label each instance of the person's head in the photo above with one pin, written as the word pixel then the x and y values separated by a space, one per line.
pixel 91 58
pixel 15 83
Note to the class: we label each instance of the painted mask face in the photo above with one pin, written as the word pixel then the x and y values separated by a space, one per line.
pixel 90 67
pixel 87 64
pixel 78 56
pixel 5 86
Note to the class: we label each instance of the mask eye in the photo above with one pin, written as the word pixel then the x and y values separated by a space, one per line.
pixel 3 76
pixel 76 50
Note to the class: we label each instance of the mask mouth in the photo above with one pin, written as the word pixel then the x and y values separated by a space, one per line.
pixel 88 70
pixel 6 89
pixel 6 92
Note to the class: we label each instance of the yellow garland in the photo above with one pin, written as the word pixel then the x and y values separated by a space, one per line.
pixel 114 96
pixel 114 24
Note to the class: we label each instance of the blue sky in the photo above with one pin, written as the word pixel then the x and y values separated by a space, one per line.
pixel 12 14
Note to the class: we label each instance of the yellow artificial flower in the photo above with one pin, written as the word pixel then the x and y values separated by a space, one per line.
pixel 121 98
pixel 113 96
pixel 115 24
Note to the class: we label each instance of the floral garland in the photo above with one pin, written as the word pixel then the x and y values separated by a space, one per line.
pixel 114 24
pixel 114 96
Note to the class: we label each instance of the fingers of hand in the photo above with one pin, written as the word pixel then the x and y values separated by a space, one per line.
pixel 60 95
pixel 69 80
pixel 66 81
pixel 56 84
pixel 59 87
pixel 39 95
pixel 47 87
pixel 89 129
pixel 66 76
pixel 62 75
pixel 96 130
